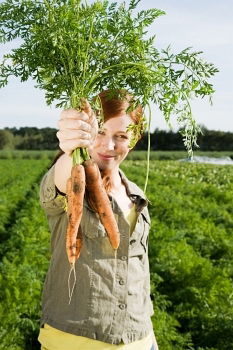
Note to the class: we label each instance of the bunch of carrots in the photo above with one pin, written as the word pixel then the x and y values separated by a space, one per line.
pixel 85 175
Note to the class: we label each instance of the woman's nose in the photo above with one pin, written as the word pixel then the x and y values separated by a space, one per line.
pixel 108 143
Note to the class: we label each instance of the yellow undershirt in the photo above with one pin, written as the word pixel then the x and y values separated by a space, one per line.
pixel 54 339
pixel 131 217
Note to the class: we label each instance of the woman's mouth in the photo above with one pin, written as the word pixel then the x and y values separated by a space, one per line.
pixel 105 156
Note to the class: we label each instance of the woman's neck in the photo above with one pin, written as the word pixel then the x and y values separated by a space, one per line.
pixel 114 179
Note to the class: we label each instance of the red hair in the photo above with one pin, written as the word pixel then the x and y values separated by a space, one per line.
pixel 115 103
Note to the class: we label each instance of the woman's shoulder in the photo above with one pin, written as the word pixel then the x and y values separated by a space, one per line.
pixel 51 199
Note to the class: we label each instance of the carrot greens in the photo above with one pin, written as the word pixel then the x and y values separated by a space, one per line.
pixel 74 50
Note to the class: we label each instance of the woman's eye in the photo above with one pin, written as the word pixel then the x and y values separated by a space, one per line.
pixel 122 137
pixel 101 132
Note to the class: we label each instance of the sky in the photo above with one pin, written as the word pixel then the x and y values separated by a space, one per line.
pixel 204 25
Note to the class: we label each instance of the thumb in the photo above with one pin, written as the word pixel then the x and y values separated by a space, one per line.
pixel 86 107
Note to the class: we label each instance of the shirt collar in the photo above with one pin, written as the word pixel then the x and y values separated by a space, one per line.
pixel 134 192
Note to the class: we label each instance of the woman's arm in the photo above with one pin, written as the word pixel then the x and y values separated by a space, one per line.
pixel 62 172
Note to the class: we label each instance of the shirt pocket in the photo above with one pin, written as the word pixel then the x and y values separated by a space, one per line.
pixel 92 227
pixel 146 229
pixel 139 238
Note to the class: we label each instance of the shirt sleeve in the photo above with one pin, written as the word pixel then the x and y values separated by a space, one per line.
pixel 51 200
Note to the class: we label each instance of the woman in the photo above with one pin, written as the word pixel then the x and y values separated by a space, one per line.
pixel 110 306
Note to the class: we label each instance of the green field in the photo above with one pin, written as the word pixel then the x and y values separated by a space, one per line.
pixel 134 155
pixel 190 248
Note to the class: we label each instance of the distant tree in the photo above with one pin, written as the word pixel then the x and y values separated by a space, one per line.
pixel 32 142
pixel 26 131
pixel 50 140
pixel 34 138
pixel 209 140
pixel 6 139
pixel 161 140
pixel 215 140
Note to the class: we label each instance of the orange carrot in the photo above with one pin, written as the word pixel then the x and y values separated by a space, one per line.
pixel 75 195
pixel 101 201
pixel 89 172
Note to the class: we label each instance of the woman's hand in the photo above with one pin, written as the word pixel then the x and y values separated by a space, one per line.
pixel 77 129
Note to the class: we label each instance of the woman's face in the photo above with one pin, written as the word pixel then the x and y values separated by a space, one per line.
pixel 111 145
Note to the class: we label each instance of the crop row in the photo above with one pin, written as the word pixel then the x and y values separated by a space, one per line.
pixel 135 155
pixel 22 271
pixel 23 232
pixel 191 251
pixel 19 170
pixel 17 178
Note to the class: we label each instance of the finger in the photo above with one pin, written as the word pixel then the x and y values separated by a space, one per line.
pixel 94 128
pixel 73 125
pixel 92 119
pixel 65 135
pixel 86 107
pixel 70 145
pixel 73 114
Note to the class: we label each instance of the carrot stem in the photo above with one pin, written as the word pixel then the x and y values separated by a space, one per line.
pixel 79 156
pixel 148 152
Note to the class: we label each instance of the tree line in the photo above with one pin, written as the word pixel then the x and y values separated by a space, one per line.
pixel 34 138
pixel 208 140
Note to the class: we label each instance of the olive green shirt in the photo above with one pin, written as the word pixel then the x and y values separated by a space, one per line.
pixel 111 298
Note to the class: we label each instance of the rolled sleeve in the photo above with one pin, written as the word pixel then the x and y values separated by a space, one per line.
pixel 51 200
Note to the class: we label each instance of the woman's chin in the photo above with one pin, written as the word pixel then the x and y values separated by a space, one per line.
pixel 106 166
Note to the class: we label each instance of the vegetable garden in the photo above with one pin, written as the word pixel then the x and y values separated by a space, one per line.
pixel 191 251
pixel 73 51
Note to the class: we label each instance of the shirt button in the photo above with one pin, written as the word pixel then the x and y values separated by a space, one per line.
pixel 121 282
pixel 122 306
pixel 124 257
